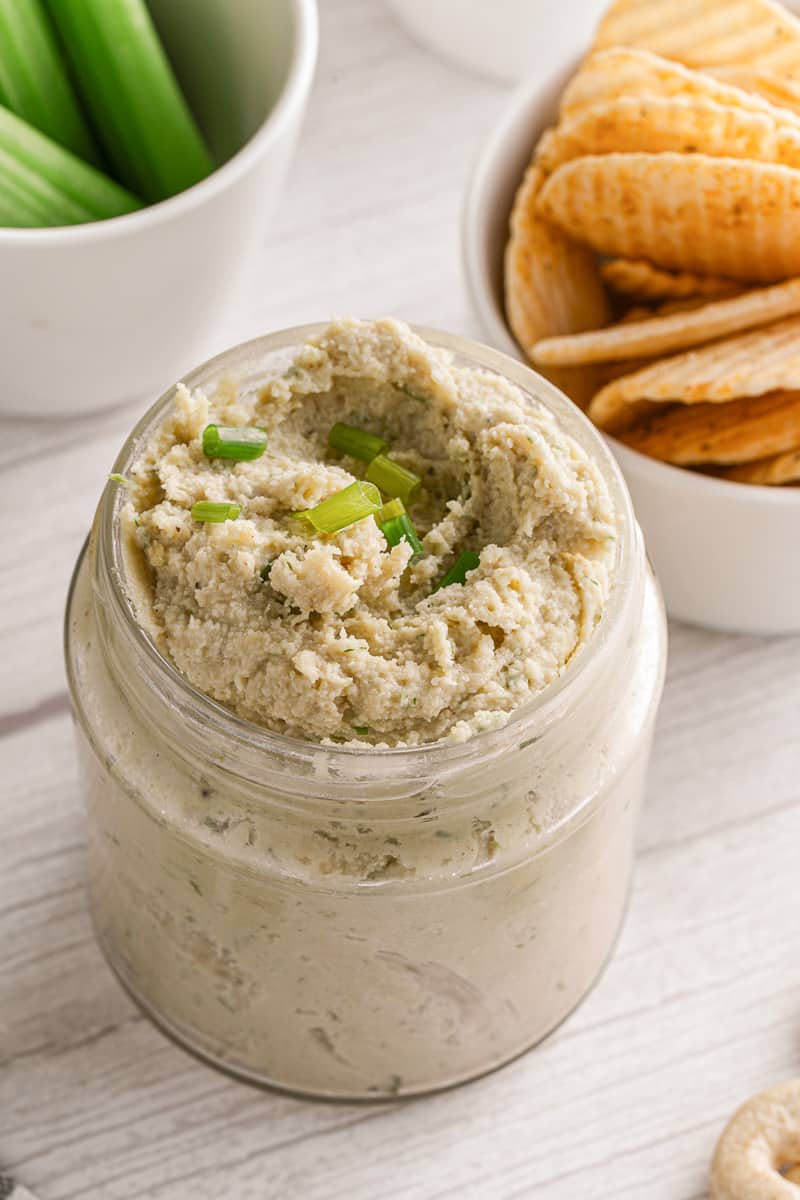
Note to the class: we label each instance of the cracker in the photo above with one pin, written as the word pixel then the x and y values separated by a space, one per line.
pixel 707 33
pixel 626 71
pixel 552 285
pixel 690 212
pixel 640 280
pixel 678 124
pixel 743 431
pixel 776 471
pixel 762 360
pixel 674 330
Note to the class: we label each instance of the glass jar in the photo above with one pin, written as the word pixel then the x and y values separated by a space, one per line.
pixel 345 921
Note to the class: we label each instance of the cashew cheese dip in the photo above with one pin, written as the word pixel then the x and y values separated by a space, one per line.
pixel 365 655
pixel 342 636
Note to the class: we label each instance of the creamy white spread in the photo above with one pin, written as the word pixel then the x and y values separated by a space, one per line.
pixel 346 639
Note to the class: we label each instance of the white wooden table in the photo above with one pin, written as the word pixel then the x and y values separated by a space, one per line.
pixel 700 1005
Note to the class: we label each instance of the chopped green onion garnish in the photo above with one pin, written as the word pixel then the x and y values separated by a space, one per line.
pixel 132 95
pixel 121 479
pixel 393 508
pixel 398 528
pixel 215 511
pixel 34 82
pixel 265 570
pixel 362 729
pixel 344 508
pixel 468 560
pixel 393 479
pixel 355 442
pixel 242 442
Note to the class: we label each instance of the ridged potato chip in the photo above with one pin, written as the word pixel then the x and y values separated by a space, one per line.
pixel 691 212
pixel 755 427
pixel 639 279
pixel 552 285
pixel 771 472
pixel 690 325
pixel 707 33
pixel 778 90
pixel 626 71
pixel 751 364
pixel 682 124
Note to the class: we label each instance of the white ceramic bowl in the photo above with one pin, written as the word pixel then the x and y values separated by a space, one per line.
pixel 727 554
pixel 93 315
pixel 507 39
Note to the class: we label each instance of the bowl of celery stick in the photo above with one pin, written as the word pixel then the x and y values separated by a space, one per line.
pixel 143 144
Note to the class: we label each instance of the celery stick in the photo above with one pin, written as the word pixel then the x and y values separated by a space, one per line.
pixel 132 95
pixel 44 184
pixel 23 208
pixel 33 78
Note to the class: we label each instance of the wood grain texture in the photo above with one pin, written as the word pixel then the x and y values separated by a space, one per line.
pixel 699 1006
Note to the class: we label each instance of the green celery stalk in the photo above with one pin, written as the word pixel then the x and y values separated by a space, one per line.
pixel 41 183
pixel 33 78
pixel 132 95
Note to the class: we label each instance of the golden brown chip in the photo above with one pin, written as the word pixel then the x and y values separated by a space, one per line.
pixel 674 330
pixel 691 212
pixel 707 32
pixel 626 71
pixel 743 431
pixel 750 364
pixel 681 124
pixel 778 90
pixel 776 471
pixel 642 281
pixel 552 285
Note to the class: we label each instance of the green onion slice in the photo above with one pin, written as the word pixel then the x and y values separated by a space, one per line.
pixel 121 479
pixel 356 442
pixel 213 511
pixel 393 479
pixel 468 560
pixel 361 729
pixel 344 508
pixel 393 508
pixel 241 442
pixel 265 570
pixel 397 529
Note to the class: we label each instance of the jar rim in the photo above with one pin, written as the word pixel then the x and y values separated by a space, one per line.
pixel 535 713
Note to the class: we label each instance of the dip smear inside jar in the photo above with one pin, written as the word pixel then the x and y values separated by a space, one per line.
pixel 342 635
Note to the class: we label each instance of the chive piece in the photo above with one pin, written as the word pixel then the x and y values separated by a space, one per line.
pixel 213 511
pixel 121 479
pixel 344 508
pixel 42 184
pixel 362 729
pixel 356 442
pixel 393 508
pixel 412 395
pixel 393 479
pixel 34 82
pixel 132 95
pixel 396 529
pixel 242 442
pixel 265 570
pixel 468 560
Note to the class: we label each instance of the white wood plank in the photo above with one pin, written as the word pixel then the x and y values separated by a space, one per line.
pixel 698 1007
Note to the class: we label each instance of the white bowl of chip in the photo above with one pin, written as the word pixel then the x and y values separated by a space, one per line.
pixel 727 554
